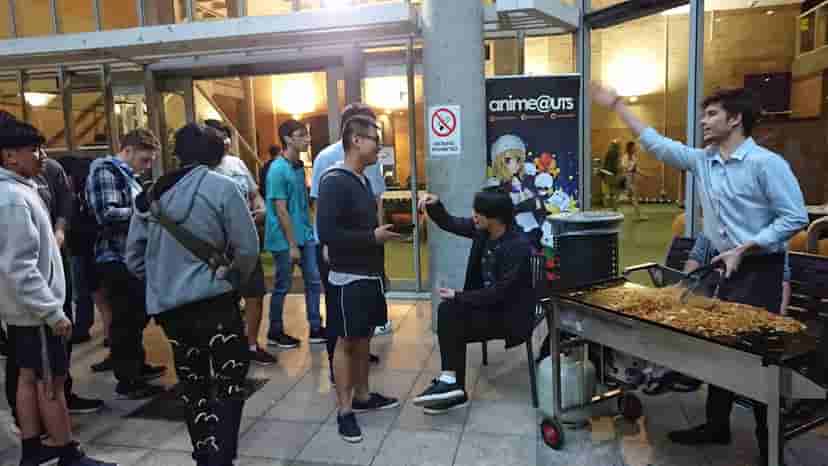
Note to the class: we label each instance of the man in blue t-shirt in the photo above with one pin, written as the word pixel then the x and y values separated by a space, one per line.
pixel 289 235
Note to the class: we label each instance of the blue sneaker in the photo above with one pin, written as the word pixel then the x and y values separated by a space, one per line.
pixel 348 428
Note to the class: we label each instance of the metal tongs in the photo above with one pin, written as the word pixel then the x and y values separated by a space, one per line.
pixel 692 281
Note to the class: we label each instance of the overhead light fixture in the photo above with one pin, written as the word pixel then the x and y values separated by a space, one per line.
pixel 39 99
pixel 770 12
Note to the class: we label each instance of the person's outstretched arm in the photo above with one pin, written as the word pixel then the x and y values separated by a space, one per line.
pixel 439 215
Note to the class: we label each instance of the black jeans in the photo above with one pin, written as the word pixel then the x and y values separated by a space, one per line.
pixel 211 361
pixel 757 283
pixel 127 296
pixel 457 326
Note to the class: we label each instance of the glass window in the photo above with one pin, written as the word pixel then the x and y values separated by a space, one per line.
pixel 650 72
pixel 5 20
pixel 549 55
pixel 46 109
pixel 807 32
pixel 88 111
pixel 791 97
pixel 10 96
pixel 501 57
pixel 164 11
pixel 269 7
pixel 206 10
pixel 75 16
pixel 118 14
pixel 33 18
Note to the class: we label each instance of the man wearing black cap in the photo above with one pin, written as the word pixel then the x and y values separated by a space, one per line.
pixel 32 293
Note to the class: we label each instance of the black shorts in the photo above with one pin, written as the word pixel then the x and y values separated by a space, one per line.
pixel 28 350
pixel 255 286
pixel 354 310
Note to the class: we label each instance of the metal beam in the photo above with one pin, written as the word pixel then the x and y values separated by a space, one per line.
pixel 96 10
pixel 139 9
pixel 109 109
pixel 155 110
pixel 12 19
pixel 65 82
pixel 583 54
pixel 55 20
pixel 188 10
pixel 628 11
pixel 412 156
pixel 314 27
pixel 695 90
pixel 21 86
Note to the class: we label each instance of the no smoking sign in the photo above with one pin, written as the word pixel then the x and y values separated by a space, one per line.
pixel 444 130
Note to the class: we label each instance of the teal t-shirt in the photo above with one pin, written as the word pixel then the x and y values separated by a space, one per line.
pixel 286 182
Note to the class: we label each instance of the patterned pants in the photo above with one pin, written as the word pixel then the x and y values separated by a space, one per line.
pixel 211 361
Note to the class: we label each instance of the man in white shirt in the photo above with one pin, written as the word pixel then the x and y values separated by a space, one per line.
pixel 254 290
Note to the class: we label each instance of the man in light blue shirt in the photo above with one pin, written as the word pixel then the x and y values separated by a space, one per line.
pixel 753 205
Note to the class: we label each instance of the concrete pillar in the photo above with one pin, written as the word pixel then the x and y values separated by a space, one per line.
pixel 454 75
pixel 332 76
pixel 354 61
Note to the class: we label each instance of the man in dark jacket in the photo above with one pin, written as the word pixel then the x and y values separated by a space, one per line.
pixel 349 227
pixel 497 300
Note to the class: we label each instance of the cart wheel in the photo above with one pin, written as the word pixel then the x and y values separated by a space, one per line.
pixel 553 434
pixel 630 406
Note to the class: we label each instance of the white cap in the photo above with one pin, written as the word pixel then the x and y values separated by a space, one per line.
pixel 507 142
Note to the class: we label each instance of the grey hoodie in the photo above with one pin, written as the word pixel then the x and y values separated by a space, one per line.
pixel 210 206
pixel 32 286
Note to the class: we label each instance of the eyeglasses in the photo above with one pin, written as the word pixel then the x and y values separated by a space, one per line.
pixel 302 135
pixel 376 139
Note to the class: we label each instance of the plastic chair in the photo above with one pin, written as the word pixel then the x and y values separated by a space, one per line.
pixel 536 264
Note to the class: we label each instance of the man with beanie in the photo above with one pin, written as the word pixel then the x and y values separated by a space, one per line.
pixel 194 302
pixel 32 293
pixel 111 189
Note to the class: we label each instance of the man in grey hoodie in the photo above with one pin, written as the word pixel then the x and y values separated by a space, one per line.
pixel 32 293
pixel 197 307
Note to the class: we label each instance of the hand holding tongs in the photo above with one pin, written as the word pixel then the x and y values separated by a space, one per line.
pixel 694 280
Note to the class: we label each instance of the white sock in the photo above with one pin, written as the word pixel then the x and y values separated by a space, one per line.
pixel 448 377
pixel 253 348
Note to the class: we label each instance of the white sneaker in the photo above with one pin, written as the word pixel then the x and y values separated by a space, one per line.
pixel 386 329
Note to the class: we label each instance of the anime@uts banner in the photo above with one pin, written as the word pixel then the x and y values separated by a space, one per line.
pixel 532 136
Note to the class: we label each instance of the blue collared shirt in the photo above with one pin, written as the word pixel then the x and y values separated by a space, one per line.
pixel 753 196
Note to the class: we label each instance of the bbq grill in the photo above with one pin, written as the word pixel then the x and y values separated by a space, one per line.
pixel 761 365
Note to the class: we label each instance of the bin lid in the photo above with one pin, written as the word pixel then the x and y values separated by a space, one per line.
pixel 591 216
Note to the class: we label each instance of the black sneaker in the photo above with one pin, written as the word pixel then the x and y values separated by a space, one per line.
pixel 348 428
pixel 78 405
pixel 262 357
pixel 700 435
pixel 375 402
pixel 88 461
pixel 439 391
pixel 283 341
pixel 149 373
pixel 443 407
pixel 137 391
pixel 318 336
pixel 104 366
pixel 373 358
pixel 51 455
pixel 106 342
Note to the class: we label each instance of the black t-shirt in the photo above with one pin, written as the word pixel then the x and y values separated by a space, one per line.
pixel 84 226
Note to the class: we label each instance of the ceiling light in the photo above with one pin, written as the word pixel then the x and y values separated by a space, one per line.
pixel 39 99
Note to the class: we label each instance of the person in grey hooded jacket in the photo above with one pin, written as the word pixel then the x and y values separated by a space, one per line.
pixel 32 293
pixel 197 307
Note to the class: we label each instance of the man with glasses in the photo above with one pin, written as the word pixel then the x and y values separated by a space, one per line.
pixel 289 236
pixel 348 226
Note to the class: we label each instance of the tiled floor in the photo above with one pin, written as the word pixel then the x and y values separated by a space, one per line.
pixel 290 421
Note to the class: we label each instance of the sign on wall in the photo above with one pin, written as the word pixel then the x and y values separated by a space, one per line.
pixel 533 145
pixel 444 135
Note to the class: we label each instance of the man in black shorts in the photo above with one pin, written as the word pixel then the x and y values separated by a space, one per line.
pixel 32 293
pixel 348 226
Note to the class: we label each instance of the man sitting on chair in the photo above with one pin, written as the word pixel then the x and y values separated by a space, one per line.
pixel 497 301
